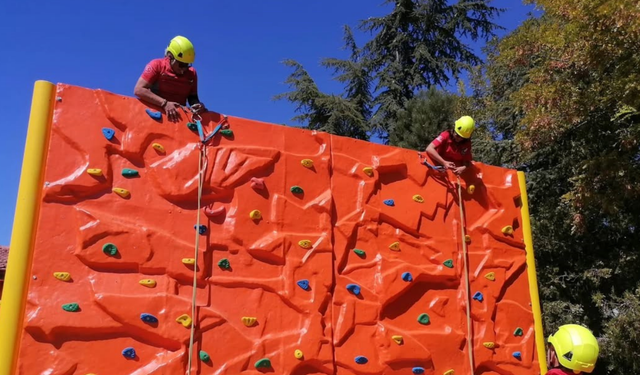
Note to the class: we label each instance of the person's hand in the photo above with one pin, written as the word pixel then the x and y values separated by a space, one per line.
pixel 172 110
pixel 449 165
pixel 198 108
pixel 458 171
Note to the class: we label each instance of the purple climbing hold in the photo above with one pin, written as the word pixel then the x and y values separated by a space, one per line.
pixel 108 133
pixel 129 353
pixel 407 277
pixel 389 202
pixel 478 297
pixel 353 288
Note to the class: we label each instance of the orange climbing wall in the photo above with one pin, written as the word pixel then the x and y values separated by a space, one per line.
pixel 308 235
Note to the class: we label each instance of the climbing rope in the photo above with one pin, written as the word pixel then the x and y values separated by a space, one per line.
pixel 466 276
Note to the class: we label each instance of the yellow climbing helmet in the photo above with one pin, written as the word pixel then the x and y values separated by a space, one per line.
pixel 465 126
pixel 182 49
pixel 576 347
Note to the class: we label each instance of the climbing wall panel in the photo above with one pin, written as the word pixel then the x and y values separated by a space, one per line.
pixel 317 254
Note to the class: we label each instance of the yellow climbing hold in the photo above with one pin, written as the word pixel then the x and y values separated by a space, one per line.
pixel 298 354
pixel 158 147
pixel 307 163
pixel 397 339
pixel 467 238
pixel 249 320
pixel 368 171
pixel 149 283
pixel 489 345
pixel 185 320
pixel 189 261
pixel 490 276
pixel 64 276
pixel 305 244
pixel 395 246
pixel 418 198
pixel 95 171
pixel 449 372
pixel 121 192
pixel 507 230
pixel 255 215
pixel 471 189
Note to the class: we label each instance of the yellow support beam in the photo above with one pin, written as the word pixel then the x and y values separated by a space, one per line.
pixel 531 272
pixel 24 225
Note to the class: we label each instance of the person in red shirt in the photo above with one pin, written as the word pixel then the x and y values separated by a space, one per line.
pixel 170 82
pixel 573 349
pixel 452 148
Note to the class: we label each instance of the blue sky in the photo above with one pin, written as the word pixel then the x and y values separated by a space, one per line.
pixel 105 44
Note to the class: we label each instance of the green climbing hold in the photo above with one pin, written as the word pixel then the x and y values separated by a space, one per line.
pixel 127 172
pixel 423 319
pixel 226 132
pixel 448 263
pixel 359 252
pixel 296 189
pixel 204 356
pixel 109 249
pixel 224 263
pixel 72 307
pixel 192 126
pixel 518 332
pixel 263 363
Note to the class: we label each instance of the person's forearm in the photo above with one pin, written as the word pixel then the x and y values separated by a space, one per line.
pixel 193 99
pixel 431 151
pixel 150 97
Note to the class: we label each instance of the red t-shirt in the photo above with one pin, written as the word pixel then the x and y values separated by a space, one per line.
pixel 167 84
pixel 451 150
pixel 557 371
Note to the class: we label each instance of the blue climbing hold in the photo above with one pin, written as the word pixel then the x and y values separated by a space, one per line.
pixel 478 296
pixel 156 115
pixel 389 202
pixel 108 133
pixel 517 355
pixel 353 288
pixel 202 229
pixel 418 370
pixel 361 360
pixel 304 284
pixel 129 353
pixel 407 277
pixel 148 318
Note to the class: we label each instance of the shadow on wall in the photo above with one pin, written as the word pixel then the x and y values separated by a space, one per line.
pixel 4 254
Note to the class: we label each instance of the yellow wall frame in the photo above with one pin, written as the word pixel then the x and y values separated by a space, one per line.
pixel 24 224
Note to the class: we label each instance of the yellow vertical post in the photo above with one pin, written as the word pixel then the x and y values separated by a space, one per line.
pixel 531 272
pixel 24 225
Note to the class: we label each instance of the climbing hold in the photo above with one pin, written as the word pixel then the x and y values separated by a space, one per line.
pixel 128 172
pixel 129 353
pixel 224 263
pixel 156 115
pixel 95 171
pixel 263 363
pixel 467 238
pixel 508 230
pixel 478 296
pixel 418 198
pixel 354 288
pixel 192 126
pixel 489 345
pixel 304 284
pixel 389 202
pixel 471 189
pixel 359 252
pixel 517 355
pixel 202 229
pixel 418 370
pixel 397 339
pixel 204 356
pixel 307 163
pixel 423 318
pixel 448 263
pixel 490 276
pixel 148 318
pixel 121 192
pixel 210 212
pixel 255 215
pixel 407 277
pixel 257 183
pixel 518 332
pixel 149 283
pixel 189 261
pixel 158 147
pixel 361 360
pixel 108 133
pixel 395 246
pixel 298 354
pixel 296 189
pixel 226 132
pixel 449 372
pixel 63 276
pixel 71 307
pixel 249 320
pixel 185 320
pixel 368 171
pixel 305 244
pixel 109 249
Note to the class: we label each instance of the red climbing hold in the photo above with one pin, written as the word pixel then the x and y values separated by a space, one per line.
pixel 257 183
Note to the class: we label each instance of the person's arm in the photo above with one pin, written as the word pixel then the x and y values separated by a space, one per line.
pixel 466 163
pixel 433 153
pixel 194 101
pixel 143 91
